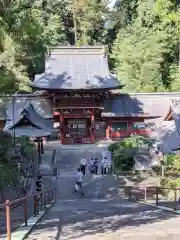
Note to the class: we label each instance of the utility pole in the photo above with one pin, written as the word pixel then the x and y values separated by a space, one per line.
pixel 74 20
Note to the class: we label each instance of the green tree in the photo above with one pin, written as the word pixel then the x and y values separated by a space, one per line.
pixel 28 29
pixel 84 20
pixel 145 50
pixel 91 17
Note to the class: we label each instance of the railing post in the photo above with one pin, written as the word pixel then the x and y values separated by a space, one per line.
pixel 48 197
pixel 25 213
pixel 157 196
pixel 52 195
pixel 145 194
pixel 41 201
pixel 45 199
pixel 55 194
pixel 8 220
pixel 129 192
pixel 175 199
pixel 35 206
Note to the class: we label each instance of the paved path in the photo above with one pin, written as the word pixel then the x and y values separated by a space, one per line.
pixel 101 214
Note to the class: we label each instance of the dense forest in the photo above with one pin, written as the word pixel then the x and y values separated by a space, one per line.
pixel 142 39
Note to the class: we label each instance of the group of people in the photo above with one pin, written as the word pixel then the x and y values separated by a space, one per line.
pixel 93 166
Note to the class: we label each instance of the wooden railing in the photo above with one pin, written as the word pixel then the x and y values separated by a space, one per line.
pixel 153 194
pixel 39 203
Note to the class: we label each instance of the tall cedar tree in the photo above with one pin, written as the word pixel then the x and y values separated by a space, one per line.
pixel 145 51
pixel 28 29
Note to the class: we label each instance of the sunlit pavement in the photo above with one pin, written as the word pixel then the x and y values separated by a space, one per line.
pixel 101 214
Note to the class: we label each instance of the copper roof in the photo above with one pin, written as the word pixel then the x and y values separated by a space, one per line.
pixel 73 68
pixel 139 105
pixel 40 105
pixel 36 125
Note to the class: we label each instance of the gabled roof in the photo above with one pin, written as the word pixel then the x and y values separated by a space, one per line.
pixel 29 131
pixel 138 105
pixel 40 105
pixel 176 116
pixel 167 136
pixel 36 126
pixel 73 68
pixel 30 113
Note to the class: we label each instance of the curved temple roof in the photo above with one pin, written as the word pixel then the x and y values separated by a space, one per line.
pixel 73 68
pixel 176 116
pixel 30 132
pixel 38 126
pixel 139 105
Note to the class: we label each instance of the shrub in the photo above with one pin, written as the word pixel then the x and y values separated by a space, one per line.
pixel 27 145
pixel 123 152
pixel 114 146
pixel 173 181
pixel 170 183
pixel 124 158
pixel 169 159
pixel 5 144
pixel 8 173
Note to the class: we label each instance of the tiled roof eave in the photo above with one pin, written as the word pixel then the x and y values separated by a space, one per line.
pixel 109 115
pixel 76 89
pixel 32 133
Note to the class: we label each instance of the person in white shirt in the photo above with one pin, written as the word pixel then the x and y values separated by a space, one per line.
pixel 90 165
pixel 83 164
pixel 79 180
pixel 103 166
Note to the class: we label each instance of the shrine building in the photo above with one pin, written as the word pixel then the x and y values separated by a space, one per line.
pixel 85 102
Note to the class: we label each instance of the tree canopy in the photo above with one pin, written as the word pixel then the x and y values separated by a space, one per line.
pixel 146 49
pixel 142 37
pixel 27 30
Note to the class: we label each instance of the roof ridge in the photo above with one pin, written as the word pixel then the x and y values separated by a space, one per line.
pixel 80 47
pixel 74 50
pixel 146 93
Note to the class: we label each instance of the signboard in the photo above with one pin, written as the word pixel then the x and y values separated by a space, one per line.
pixel 76 123
pixel 139 125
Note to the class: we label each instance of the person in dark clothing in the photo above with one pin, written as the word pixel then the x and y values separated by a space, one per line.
pixel 96 164
pixel 39 185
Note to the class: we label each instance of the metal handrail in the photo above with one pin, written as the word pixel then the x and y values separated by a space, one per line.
pixel 40 201
pixel 129 191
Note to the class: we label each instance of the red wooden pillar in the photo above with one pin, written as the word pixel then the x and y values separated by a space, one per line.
pixel 92 128
pixel 108 131
pixel 61 128
pixel 129 128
